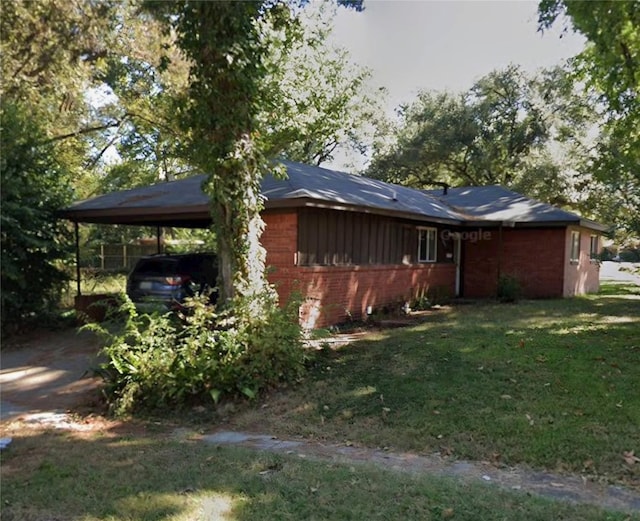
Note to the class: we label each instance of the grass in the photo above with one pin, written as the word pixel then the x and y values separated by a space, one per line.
pixel 109 476
pixel 546 384
pixel 549 384
pixel 94 282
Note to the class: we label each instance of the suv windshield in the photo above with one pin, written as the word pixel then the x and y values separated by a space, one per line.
pixel 156 267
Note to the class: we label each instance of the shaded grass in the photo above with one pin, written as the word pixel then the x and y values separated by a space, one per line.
pixel 94 282
pixel 54 475
pixel 550 384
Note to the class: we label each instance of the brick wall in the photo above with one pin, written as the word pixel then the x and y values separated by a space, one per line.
pixel 582 276
pixel 535 256
pixel 335 293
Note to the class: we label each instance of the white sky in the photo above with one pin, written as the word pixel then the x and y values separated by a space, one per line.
pixel 447 44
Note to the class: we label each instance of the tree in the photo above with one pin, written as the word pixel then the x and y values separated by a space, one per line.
pixel 305 119
pixel 51 52
pixel 146 79
pixel 243 108
pixel 323 104
pixel 498 132
pixel 219 117
pixel 611 60
pixel 610 64
pixel 35 183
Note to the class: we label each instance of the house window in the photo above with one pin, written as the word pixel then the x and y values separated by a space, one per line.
pixel 594 248
pixel 427 244
pixel 575 247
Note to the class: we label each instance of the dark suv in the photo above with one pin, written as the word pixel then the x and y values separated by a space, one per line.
pixel 164 281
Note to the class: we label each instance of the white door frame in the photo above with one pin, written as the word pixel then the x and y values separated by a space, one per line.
pixel 457 255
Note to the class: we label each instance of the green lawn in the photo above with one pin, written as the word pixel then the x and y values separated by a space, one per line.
pixel 55 475
pixel 549 384
pixel 546 384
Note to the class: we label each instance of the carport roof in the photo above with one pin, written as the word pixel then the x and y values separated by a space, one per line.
pixel 182 203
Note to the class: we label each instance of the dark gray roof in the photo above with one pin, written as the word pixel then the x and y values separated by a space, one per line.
pixel 183 204
pixel 330 187
pixel 496 203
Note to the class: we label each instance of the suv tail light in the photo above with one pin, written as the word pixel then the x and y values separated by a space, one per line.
pixel 178 280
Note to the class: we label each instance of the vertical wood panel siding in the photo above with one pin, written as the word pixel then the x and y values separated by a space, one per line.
pixel 342 238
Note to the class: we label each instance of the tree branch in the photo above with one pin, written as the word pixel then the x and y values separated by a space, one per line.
pixel 82 131
pixel 95 160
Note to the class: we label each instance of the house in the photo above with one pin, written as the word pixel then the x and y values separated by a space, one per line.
pixel 352 244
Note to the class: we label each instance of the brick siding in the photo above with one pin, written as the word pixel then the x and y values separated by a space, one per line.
pixel 336 293
pixel 583 276
pixel 537 257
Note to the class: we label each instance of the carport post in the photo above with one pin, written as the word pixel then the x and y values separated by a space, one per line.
pixel 76 227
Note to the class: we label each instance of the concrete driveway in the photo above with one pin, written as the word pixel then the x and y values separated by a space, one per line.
pixel 47 372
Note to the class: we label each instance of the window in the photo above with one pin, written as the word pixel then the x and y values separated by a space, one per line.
pixel 594 248
pixel 575 247
pixel 427 244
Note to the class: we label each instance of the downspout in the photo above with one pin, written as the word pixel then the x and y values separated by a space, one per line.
pixel 77 231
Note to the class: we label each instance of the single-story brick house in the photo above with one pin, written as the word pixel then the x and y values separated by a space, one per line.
pixel 352 244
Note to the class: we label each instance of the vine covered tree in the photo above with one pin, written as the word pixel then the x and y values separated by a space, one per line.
pixel 219 116
pixel 249 100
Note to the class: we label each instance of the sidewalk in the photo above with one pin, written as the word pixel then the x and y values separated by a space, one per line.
pixel 568 488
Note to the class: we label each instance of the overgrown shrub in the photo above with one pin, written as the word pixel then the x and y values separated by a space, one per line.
pixel 509 288
pixel 157 360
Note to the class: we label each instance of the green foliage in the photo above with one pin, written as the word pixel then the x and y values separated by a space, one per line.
pixel 501 131
pixel 421 302
pixel 611 59
pixel 49 49
pixel 310 120
pixel 509 288
pixel 610 65
pixel 35 184
pixel 163 360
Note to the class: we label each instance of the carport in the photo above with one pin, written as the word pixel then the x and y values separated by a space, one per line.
pixel 176 204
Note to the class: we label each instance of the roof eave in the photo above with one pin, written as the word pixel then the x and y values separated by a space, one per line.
pixel 585 223
pixel 186 216
pixel 307 202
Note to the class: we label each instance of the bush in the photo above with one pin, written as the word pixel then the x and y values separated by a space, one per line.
pixel 509 289
pixel 34 185
pixel 157 361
